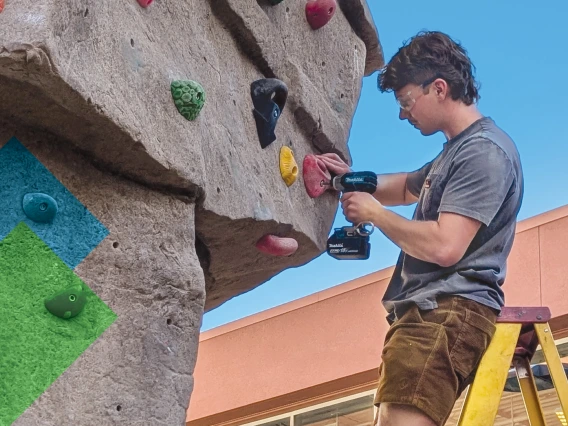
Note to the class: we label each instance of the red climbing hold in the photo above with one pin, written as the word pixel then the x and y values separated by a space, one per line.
pixel 277 246
pixel 316 176
pixel 1 5
pixel 320 12
pixel 143 3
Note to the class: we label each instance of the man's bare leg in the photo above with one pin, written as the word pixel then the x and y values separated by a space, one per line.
pixel 401 415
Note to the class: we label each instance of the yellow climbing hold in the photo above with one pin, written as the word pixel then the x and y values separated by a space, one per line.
pixel 288 166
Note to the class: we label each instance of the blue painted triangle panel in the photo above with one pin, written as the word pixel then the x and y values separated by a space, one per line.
pixel 74 232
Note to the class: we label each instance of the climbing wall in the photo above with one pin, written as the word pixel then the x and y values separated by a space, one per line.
pixel 157 158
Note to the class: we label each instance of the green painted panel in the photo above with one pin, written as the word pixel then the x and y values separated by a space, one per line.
pixel 36 347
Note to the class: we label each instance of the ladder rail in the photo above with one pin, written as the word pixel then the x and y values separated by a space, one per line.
pixel 529 391
pixel 484 394
pixel 554 363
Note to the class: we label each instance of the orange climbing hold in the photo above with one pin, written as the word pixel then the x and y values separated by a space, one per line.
pixel 316 176
pixel 143 3
pixel 277 246
pixel 288 166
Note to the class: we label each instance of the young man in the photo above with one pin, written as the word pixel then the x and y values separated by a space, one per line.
pixel 445 293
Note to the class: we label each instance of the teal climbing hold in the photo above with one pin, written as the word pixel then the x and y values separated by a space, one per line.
pixel 40 208
pixel 67 303
pixel 189 98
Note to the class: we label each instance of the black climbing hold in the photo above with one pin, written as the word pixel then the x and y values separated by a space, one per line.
pixel 275 2
pixel 269 98
pixel 39 207
pixel 67 303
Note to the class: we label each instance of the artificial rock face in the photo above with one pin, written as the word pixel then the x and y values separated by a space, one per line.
pixel 147 208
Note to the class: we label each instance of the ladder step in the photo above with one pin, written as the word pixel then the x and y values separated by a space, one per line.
pixel 532 315
pixel 527 317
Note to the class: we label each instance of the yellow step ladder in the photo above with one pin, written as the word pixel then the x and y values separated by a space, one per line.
pixel 518 333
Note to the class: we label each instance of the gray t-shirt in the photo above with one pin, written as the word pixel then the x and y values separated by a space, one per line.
pixel 478 174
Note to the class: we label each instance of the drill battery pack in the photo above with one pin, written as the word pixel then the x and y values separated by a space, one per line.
pixel 349 243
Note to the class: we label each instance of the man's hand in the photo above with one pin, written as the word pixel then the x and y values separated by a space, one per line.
pixel 334 163
pixel 360 207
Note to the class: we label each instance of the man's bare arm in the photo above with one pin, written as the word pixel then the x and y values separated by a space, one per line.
pixel 392 190
pixel 391 187
pixel 443 242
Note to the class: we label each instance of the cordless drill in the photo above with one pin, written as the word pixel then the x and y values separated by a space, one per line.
pixel 355 182
pixel 352 242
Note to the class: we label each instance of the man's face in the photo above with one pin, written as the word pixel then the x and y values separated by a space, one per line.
pixel 419 106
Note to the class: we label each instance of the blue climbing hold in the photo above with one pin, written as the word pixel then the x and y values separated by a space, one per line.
pixel 40 208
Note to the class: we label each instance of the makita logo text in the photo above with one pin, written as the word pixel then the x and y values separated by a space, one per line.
pixel 335 246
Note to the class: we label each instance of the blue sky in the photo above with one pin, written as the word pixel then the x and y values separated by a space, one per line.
pixel 520 49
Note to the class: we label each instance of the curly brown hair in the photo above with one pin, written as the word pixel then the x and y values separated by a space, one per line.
pixel 427 56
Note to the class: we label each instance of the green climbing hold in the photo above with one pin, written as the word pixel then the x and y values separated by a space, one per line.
pixel 40 208
pixel 67 303
pixel 189 97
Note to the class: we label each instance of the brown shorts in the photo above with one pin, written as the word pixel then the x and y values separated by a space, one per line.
pixel 430 357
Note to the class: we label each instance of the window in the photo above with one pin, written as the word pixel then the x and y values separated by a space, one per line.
pixel 282 422
pixel 356 412
pixel 353 410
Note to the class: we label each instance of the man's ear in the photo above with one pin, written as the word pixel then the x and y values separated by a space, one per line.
pixel 441 88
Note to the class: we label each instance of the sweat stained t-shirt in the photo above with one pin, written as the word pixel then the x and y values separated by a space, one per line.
pixel 478 174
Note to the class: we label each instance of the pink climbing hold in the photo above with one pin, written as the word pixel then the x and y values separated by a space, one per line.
pixel 316 176
pixel 320 12
pixel 145 3
pixel 277 246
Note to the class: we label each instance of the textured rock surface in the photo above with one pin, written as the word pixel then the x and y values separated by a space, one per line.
pixel 147 272
pixel 98 75
pixel 359 16
pixel 186 201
